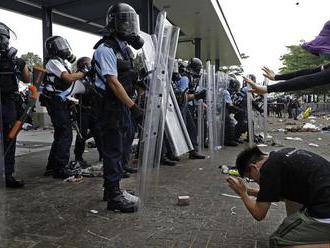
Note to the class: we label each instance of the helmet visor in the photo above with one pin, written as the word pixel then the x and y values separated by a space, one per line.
pixel 61 44
pixel 127 23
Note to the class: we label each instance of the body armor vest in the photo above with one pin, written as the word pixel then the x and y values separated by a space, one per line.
pixel 117 114
pixel 8 76
pixel 54 83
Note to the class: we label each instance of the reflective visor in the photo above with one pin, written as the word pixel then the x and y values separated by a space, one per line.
pixel 61 44
pixel 4 31
pixel 127 22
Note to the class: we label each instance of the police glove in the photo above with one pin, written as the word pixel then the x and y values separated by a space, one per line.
pixel 200 95
pixel 137 114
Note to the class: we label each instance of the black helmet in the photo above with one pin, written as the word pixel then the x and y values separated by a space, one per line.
pixel 58 46
pixel 4 37
pixel 252 77
pixel 122 20
pixel 194 67
pixel 233 85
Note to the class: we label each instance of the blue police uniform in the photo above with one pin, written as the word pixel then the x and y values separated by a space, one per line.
pixel 111 57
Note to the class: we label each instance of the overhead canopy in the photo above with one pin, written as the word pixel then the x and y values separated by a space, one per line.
pixel 197 19
pixel 202 19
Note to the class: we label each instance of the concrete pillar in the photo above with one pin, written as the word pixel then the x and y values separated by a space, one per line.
pixel 198 42
pixel 47 26
pixel 146 16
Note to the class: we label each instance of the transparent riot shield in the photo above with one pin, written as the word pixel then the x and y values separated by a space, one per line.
pixel 201 115
pixel 250 118
pixel 256 119
pixel 211 108
pixel 2 159
pixel 156 103
pixel 220 87
pixel 265 114
pixel 175 128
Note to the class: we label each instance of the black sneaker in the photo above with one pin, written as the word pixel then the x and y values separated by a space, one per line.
pixel 83 163
pixel 120 203
pixel 11 182
pixel 130 169
pixel 195 155
pixel 166 161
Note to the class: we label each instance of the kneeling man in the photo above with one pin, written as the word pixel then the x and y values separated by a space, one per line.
pixel 288 174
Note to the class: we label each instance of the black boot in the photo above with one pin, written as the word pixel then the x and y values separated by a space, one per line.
pixel 11 182
pixel 61 174
pixel 195 155
pixel 117 201
pixel 129 169
pixel 166 161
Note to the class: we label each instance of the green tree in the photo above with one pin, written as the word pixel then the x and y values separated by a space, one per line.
pixel 297 59
pixel 31 60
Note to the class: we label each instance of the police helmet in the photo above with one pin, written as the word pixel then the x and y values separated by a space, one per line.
pixel 195 66
pixel 84 64
pixel 233 85
pixel 122 20
pixel 252 77
pixel 4 37
pixel 58 46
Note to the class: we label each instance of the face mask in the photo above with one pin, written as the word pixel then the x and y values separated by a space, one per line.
pixel 136 42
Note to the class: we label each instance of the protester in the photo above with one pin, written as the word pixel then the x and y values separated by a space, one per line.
pixel 292 174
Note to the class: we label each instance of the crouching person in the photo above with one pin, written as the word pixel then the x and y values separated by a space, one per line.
pixel 288 174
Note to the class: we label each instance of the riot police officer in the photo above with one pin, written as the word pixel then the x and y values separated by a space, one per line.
pixel 12 69
pixel 86 119
pixel 115 77
pixel 58 79
pixel 188 85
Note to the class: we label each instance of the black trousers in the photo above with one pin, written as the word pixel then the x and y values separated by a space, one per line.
pixel 60 116
pixel 87 121
pixel 190 124
pixel 9 116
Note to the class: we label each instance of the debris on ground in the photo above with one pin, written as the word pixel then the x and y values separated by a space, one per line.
pixel 74 179
pixel 313 145
pixel 93 211
pixel 309 127
pixel 183 200
pixel 294 138
pixel 232 210
pixel 93 171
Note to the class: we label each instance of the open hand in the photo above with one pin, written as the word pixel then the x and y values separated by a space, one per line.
pixel 268 73
pixel 255 87
pixel 237 184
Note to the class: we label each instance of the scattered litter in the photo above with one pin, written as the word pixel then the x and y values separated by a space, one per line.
pixel 309 127
pixel 232 210
pixel 183 200
pixel 313 145
pixel 261 145
pixel 201 169
pixel 311 117
pixel 93 171
pixel 280 120
pixel 233 172
pixel 224 169
pixel 281 130
pixel 74 179
pixel 232 196
pixel 293 138
pixel 319 138
pixel 237 197
pixel 94 211
pixel 269 136
pixel 312 121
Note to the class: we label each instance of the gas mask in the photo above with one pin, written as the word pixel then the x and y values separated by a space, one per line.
pixel 135 41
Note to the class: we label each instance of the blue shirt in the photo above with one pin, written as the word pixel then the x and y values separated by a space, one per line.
pixel 183 83
pixel 106 64
pixel 227 97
